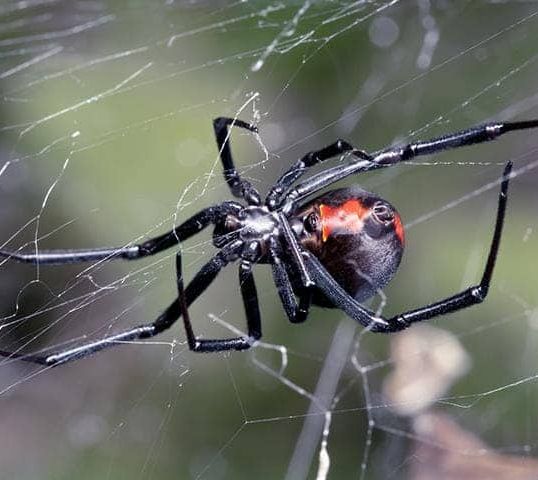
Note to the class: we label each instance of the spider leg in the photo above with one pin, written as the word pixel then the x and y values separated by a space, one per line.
pixel 471 136
pixel 472 295
pixel 392 156
pixel 283 286
pixel 309 160
pixel 239 187
pixel 297 313
pixel 167 318
pixel 199 283
pixel 250 301
pixel 295 250
pixel 150 247
pixel 337 295
pixel 466 298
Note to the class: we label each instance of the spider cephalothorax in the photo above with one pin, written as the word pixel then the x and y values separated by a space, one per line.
pixel 334 250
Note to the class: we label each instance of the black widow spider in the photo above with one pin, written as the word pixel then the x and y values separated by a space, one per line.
pixel 335 250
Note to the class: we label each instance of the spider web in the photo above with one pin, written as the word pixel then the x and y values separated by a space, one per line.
pixel 107 140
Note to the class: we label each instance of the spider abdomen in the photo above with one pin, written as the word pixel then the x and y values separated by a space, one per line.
pixel 357 236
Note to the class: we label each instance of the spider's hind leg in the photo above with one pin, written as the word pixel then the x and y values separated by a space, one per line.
pixel 468 297
pixel 472 295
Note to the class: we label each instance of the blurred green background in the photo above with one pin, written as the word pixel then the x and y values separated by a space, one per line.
pixel 107 139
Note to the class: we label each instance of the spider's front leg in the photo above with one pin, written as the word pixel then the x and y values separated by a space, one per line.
pixel 239 187
pixel 192 226
pixel 282 185
pixel 395 155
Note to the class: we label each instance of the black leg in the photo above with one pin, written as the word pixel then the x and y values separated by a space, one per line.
pixel 239 187
pixel 309 160
pixel 471 136
pixel 250 300
pixel 167 318
pixel 296 313
pixel 307 284
pixel 470 296
pixel 337 295
pixel 150 247
pixel 197 286
pixel 295 250
pixel 396 155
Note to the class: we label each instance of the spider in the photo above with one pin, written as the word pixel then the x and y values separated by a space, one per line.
pixel 335 250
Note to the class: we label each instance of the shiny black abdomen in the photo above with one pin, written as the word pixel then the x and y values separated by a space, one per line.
pixel 360 249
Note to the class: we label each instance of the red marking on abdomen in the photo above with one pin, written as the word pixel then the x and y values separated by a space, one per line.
pixel 348 217
pixel 398 229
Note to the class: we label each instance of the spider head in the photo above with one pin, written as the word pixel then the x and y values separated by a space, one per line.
pixel 357 236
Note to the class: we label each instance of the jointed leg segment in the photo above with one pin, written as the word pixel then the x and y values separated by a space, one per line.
pixel 187 229
pixel 201 281
pixel 177 308
pixel 300 167
pixel 393 156
pixel 239 187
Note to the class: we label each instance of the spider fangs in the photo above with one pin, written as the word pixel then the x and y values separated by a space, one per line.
pixel 334 251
